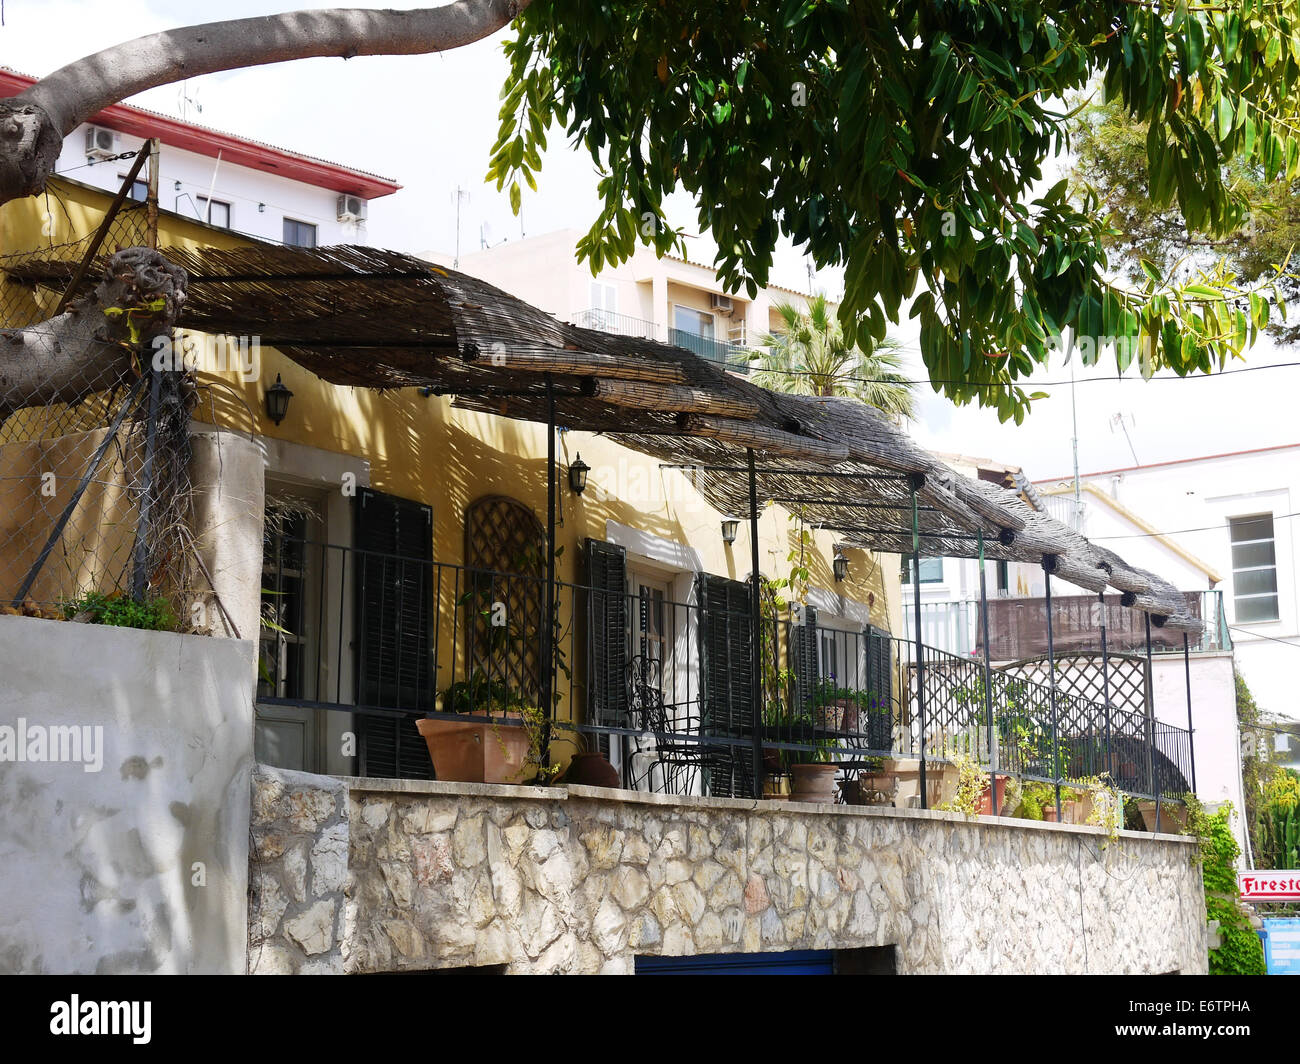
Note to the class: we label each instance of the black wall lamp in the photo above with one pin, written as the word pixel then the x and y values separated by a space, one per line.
pixel 840 565
pixel 729 527
pixel 277 400
pixel 578 470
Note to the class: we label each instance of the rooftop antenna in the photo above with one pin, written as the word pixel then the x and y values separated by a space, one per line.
pixel 1074 444
pixel 1123 421
pixel 459 193
pixel 186 101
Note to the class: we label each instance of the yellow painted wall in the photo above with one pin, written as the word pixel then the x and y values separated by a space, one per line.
pixel 425 449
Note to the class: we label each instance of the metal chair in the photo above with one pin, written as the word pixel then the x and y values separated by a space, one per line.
pixel 658 751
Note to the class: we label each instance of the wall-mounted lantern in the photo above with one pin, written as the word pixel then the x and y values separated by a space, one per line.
pixel 277 400
pixel 729 528
pixel 840 565
pixel 578 470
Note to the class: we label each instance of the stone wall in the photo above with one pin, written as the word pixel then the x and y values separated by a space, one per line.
pixel 582 880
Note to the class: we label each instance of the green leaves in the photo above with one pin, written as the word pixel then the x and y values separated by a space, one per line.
pixel 904 141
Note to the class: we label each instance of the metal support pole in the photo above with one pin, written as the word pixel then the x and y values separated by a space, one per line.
pixel 1151 731
pixel 56 533
pixel 920 648
pixel 1105 686
pixel 988 684
pixel 1191 741
pixel 100 234
pixel 140 561
pixel 548 625
pixel 151 211
pixel 756 627
pixel 1049 563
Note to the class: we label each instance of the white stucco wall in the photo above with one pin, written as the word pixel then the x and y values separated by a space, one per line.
pixel 1202 494
pixel 242 187
pixel 1215 742
pixel 544 271
pixel 100 870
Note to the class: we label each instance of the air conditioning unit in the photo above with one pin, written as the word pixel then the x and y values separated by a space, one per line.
pixel 352 209
pixel 722 304
pixel 101 143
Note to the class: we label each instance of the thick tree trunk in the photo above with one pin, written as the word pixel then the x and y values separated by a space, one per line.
pixel 94 345
pixel 34 123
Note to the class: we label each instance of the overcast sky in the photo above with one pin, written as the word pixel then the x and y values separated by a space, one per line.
pixel 429 122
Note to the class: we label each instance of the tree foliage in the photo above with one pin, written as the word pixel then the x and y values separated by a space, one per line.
pixel 1112 164
pixel 904 140
pixel 1279 822
pixel 1240 951
pixel 811 357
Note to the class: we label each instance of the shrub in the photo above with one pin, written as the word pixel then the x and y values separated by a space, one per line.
pixel 1240 951
pixel 120 611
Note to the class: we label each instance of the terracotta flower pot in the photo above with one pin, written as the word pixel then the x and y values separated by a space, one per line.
pixel 814 783
pixel 592 770
pixel 470 752
pixel 986 806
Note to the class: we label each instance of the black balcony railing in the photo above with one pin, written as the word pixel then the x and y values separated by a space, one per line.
pixel 664 686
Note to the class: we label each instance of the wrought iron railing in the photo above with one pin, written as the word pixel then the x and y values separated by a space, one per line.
pixel 663 684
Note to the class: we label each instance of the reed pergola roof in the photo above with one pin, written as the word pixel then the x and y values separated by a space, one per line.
pixel 380 319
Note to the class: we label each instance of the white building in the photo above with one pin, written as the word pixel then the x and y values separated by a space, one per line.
pixel 1227 519
pixel 667 299
pixel 232 182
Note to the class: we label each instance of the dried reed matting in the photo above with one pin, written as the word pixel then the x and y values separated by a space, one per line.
pixel 379 319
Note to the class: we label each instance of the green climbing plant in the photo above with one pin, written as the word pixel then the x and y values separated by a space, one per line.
pixel 1240 951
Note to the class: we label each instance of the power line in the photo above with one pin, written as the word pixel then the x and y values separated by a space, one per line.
pixel 1261 635
pixel 1179 531
pixel 1027 383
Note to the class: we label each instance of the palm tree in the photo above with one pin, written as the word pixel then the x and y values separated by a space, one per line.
pixel 811 357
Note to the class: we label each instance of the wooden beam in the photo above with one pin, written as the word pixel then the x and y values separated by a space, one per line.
pixel 763 438
pixel 510 357
pixel 670 398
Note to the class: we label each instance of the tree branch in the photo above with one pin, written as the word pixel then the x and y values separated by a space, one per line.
pixel 33 124
pixel 92 346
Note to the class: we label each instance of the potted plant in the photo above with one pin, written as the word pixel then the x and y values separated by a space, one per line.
pixel 477 751
pixel 1037 802
pixel 986 803
pixel 861 715
pixel 812 772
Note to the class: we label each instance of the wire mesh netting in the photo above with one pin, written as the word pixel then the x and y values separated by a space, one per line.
pixel 93 465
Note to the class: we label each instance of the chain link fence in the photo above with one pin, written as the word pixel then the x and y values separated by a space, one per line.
pixel 93 472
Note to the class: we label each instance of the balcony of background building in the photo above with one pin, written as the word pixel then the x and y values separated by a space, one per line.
pixel 725 353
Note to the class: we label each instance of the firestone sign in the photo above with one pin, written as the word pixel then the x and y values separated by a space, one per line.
pixel 1269 886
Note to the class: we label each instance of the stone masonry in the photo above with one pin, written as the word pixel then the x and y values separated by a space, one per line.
pixel 351 875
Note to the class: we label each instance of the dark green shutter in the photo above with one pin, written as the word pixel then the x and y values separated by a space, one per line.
pixel 726 687
pixel 806 673
pixel 607 636
pixel 880 688
pixel 393 581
